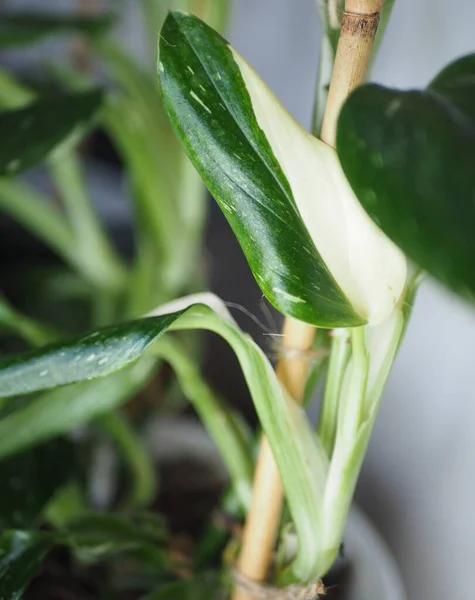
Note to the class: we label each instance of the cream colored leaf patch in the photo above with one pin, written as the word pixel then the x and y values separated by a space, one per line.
pixel 368 267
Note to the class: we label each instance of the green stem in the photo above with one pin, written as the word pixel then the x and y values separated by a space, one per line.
pixel 82 242
pixel 325 66
pixel 34 332
pixel 302 461
pixel 386 12
pixel 134 454
pixel 339 355
pixel 354 390
pixel 91 239
pixel 34 212
pixel 348 452
pixel 220 422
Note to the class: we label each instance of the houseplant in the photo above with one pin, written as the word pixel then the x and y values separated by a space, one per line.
pixel 390 146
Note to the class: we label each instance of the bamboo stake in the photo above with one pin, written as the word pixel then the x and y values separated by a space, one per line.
pixel 358 29
pixel 359 24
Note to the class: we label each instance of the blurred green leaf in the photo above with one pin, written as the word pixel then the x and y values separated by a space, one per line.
pixel 30 480
pixel 84 244
pixel 30 330
pixel 93 536
pixel 168 202
pixel 214 12
pixel 12 93
pixel 95 252
pixel 103 534
pixel 205 587
pixel 61 410
pixel 302 462
pixel 29 134
pixel 220 421
pixel 23 29
pixel 143 485
pixel 66 504
pixel 37 214
pixel 409 156
pixel 21 555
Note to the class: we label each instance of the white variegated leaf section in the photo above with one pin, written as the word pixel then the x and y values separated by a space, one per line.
pixel 368 267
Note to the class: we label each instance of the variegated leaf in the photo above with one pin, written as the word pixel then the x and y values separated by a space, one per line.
pixel 302 461
pixel 313 250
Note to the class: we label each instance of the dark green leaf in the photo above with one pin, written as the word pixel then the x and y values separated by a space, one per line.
pixel 29 134
pixel 302 463
pixel 21 555
pixel 20 29
pixel 456 83
pixel 95 355
pixel 102 534
pixel 58 411
pixel 209 106
pixel 30 480
pixel 32 331
pixel 108 537
pixel 93 535
pixel 204 587
pixel 410 156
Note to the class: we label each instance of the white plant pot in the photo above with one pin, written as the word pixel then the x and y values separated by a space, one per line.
pixel 374 573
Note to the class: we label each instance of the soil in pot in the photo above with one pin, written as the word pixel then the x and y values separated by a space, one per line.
pixel 190 489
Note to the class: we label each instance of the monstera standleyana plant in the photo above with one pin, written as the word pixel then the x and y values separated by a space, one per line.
pixel 314 251
pixel 313 223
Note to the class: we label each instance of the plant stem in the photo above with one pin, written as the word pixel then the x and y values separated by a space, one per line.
pixel 359 25
pixel 90 237
pixel 260 532
pixel 34 332
pixel 217 417
pixel 134 454
pixel 336 369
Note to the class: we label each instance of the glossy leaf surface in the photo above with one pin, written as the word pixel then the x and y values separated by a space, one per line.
pixel 302 462
pixel 313 251
pixel 409 156
pixel 58 411
pixel 30 480
pixel 20 29
pixel 29 134
pixel 21 555
pixel 95 355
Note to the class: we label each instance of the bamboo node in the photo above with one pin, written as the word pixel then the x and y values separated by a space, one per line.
pixel 363 26
pixel 262 591
pixel 283 352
